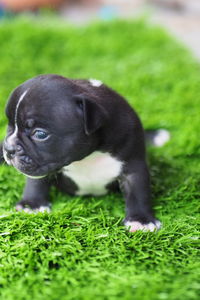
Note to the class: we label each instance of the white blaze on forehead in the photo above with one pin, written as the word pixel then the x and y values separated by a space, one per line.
pixel 13 136
pixel 18 104
pixel 95 82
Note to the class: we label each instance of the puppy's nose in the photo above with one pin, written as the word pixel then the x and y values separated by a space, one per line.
pixel 10 150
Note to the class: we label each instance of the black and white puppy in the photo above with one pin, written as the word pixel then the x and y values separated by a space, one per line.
pixel 86 134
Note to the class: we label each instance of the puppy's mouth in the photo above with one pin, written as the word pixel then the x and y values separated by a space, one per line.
pixel 23 165
pixel 27 167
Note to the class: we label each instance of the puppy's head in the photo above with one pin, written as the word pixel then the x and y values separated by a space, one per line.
pixel 51 122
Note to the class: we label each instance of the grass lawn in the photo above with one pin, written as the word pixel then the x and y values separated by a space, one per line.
pixel 81 250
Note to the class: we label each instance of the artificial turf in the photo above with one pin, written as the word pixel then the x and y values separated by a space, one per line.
pixel 81 250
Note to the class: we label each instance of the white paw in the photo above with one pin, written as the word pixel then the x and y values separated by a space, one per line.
pixel 32 211
pixel 43 209
pixel 135 225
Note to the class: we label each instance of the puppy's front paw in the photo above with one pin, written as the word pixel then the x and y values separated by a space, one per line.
pixel 31 207
pixel 136 225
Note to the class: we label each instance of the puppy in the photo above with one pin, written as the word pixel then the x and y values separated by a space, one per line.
pixel 86 134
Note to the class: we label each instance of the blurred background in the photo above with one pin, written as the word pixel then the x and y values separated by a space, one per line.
pixel 180 17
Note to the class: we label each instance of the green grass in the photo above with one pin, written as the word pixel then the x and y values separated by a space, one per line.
pixel 81 250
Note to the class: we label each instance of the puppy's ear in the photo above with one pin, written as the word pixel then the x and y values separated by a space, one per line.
pixel 94 115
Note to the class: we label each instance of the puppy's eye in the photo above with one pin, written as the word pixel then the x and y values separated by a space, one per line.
pixel 40 135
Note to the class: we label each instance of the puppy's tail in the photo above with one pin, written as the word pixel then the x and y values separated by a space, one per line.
pixel 1 153
pixel 158 137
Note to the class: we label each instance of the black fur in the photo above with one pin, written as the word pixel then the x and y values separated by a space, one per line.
pixel 1 153
pixel 80 119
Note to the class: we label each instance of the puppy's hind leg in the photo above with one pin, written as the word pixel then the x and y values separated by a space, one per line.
pixel 135 186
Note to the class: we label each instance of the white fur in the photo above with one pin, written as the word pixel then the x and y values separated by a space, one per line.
pixel 135 225
pixel 31 211
pixel 13 136
pixel 93 173
pixel 34 177
pixel 161 137
pixel 18 104
pixel 43 209
pixel 95 82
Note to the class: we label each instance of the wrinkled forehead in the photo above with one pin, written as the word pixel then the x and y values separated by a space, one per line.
pixel 40 104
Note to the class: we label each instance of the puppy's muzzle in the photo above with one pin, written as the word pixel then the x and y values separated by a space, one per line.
pixel 9 149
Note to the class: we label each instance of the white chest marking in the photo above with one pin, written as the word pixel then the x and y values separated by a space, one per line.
pixel 95 82
pixel 93 173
